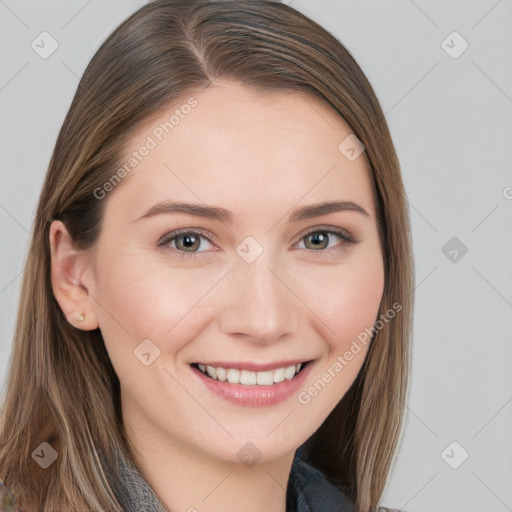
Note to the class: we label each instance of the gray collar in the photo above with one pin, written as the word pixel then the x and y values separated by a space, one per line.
pixel 308 490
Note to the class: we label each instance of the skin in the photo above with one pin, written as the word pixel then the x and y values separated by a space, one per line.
pixel 259 156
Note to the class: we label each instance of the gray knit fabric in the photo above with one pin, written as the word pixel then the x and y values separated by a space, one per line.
pixel 308 491
pixel 136 494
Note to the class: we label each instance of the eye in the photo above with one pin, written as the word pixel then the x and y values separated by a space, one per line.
pixel 191 243
pixel 186 241
pixel 320 238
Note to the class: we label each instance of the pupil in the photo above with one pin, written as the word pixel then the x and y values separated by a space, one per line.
pixel 318 238
pixel 189 240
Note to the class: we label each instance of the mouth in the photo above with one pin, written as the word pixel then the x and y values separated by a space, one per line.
pixel 234 375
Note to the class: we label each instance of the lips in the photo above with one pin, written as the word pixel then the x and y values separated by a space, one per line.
pixel 254 393
pixel 233 373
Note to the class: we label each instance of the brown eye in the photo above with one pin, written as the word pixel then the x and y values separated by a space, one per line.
pixel 186 243
pixel 189 242
pixel 319 239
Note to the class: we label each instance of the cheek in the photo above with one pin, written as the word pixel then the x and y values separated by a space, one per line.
pixel 139 297
pixel 353 304
pixel 347 297
pixel 347 303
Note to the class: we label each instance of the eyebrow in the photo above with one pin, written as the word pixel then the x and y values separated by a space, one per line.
pixel 223 215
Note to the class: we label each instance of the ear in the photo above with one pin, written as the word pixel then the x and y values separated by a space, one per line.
pixel 69 268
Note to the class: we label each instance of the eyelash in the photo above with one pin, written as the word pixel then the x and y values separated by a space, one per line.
pixel 345 237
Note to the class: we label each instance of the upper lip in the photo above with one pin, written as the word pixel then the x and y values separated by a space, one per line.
pixel 252 366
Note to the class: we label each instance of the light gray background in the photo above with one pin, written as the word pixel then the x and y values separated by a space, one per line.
pixel 452 125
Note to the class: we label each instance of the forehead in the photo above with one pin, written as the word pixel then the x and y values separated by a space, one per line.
pixel 242 143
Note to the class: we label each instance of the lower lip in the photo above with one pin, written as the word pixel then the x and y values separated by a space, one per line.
pixel 255 396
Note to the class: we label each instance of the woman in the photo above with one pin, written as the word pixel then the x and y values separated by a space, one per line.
pixel 217 300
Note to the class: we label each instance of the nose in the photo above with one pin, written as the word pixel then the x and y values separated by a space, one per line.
pixel 257 302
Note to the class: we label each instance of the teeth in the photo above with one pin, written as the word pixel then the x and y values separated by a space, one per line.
pixel 264 378
pixel 233 376
pixel 289 373
pixel 250 378
pixel 279 375
pixel 221 374
pixel 211 372
pixel 247 378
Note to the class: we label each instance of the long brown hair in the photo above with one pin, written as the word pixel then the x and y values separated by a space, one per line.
pixel 61 387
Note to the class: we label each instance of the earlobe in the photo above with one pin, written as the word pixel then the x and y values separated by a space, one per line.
pixel 68 272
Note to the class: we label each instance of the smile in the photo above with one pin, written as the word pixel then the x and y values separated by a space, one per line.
pixel 254 384
pixel 251 378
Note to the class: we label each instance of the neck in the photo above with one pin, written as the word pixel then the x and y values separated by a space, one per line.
pixel 187 479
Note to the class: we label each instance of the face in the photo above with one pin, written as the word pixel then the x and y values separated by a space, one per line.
pixel 262 282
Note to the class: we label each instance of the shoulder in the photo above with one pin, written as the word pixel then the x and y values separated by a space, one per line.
pixel 315 493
